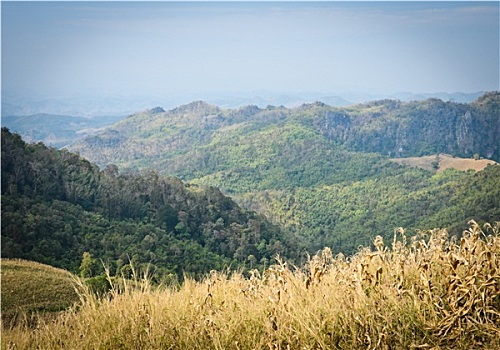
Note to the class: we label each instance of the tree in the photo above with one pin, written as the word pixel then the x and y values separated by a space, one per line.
pixel 88 265
pixel 252 260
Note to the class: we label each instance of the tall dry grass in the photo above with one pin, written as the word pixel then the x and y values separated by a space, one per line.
pixel 431 292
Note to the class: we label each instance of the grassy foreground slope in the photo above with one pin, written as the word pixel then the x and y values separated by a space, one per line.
pixel 433 292
pixel 29 287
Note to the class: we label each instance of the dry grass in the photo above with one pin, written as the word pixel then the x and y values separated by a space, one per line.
pixel 464 164
pixel 431 292
pixel 443 162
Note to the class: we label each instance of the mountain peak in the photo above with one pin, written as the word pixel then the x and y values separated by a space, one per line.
pixel 315 104
pixel 197 106
pixel 156 110
pixel 489 100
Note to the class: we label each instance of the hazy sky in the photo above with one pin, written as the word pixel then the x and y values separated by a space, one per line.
pixel 119 48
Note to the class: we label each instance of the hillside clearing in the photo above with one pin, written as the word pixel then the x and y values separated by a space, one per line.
pixel 441 162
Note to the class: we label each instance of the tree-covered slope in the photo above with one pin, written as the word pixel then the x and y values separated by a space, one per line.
pixel 56 206
pixel 347 215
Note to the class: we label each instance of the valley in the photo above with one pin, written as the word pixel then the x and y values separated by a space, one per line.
pixel 284 162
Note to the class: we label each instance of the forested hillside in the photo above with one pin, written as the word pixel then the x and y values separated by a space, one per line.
pixel 57 205
pixel 417 128
pixel 321 172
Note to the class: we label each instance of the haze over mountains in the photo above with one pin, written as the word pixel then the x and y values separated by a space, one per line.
pixel 95 106
pixel 56 130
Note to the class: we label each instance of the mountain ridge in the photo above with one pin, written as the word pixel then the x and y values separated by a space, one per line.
pixel 387 127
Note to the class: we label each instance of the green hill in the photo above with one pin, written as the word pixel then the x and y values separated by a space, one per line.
pixel 29 287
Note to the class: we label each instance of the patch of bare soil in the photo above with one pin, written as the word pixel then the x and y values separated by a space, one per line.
pixel 441 162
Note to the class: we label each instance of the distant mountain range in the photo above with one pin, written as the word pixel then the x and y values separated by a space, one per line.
pixel 56 130
pixel 387 127
pixel 91 106
pixel 60 122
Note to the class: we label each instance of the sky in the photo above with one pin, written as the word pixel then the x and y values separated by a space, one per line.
pixel 62 49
